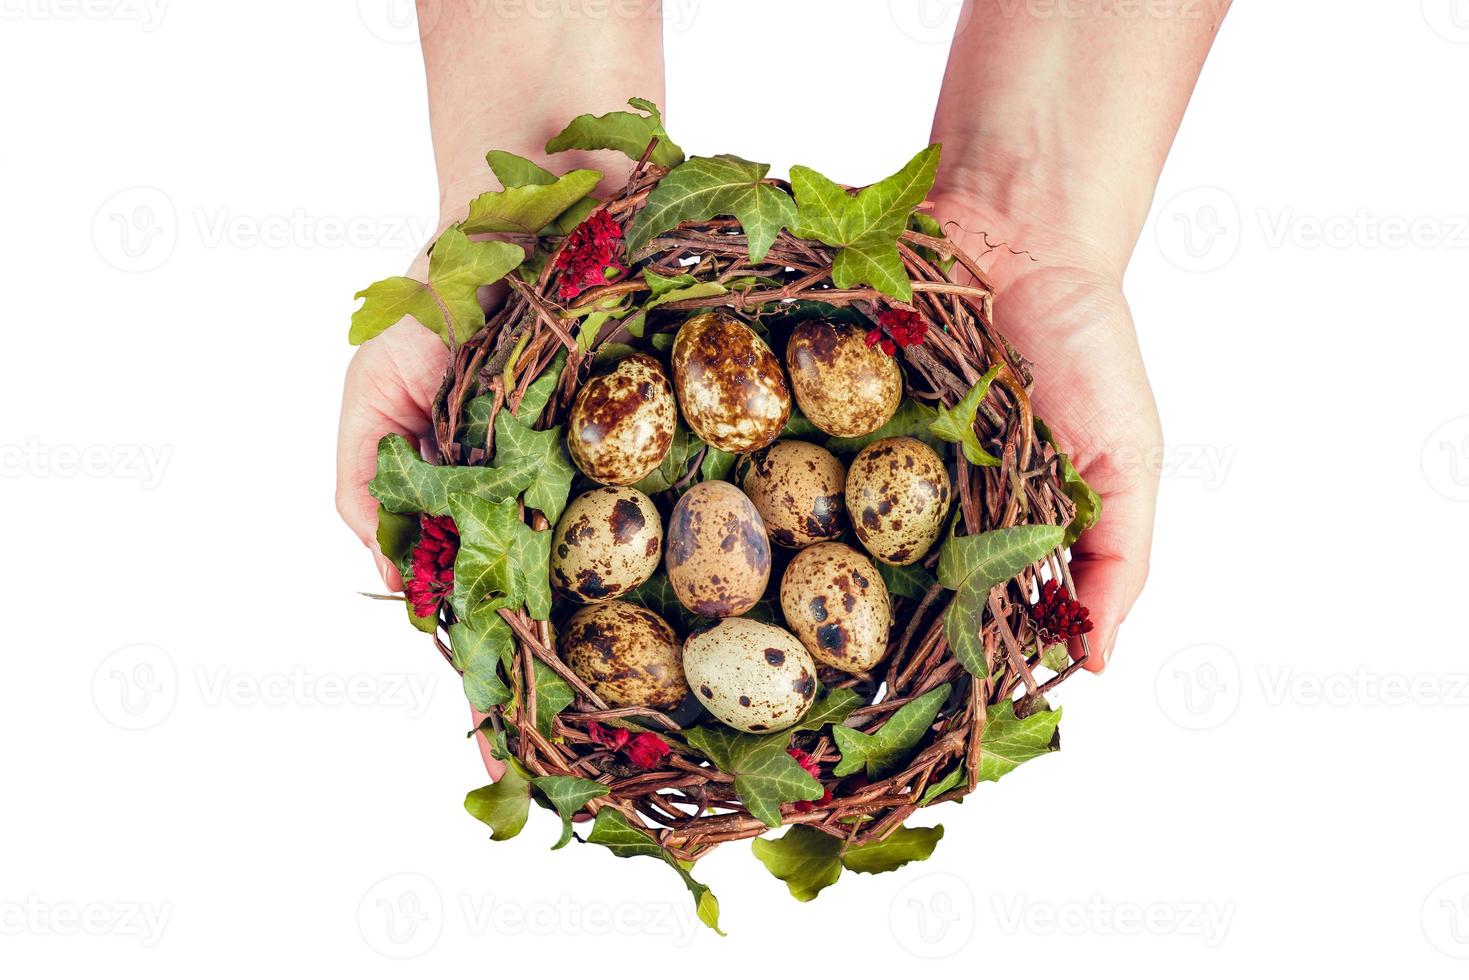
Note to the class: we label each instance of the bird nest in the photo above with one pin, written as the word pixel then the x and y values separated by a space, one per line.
pixel 975 646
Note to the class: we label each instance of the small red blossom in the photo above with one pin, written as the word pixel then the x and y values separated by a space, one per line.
pixel 804 760
pixel 1058 617
pixel 431 574
pixel 904 328
pixel 589 257
pixel 643 749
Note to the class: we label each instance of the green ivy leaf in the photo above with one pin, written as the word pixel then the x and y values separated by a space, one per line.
pixel 808 860
pixel 886 749
pixel 504 804
pixel 1055 657
pixel 675 462
pixel 765 774
pixel 1010 741
pixel 926 224
pixel 963 622
pixel 993 557
pixel 1088 504
pixel 910 581
pixel 552 696
pixel 512 170
pixel 533 402
pixel 657 595
pixel 478 651
pixel 832 708
pixel 975 564
pixel 706 187
pixel 912 419
pixel 501 562
pixel 865 226
pixel 716 464
pixel 660 284
pixel 952 780
pixel 543 453
pixel 396 535
pixel 612 831
pixel 627 132
pixel 528 208
pixel 957 424
pixel 568 794
pixel 406 484
pixel 447 304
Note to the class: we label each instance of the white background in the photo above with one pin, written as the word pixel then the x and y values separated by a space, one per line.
pixel 218 758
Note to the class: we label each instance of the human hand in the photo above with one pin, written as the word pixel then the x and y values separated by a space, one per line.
pixel 390 387
pixel 1060 303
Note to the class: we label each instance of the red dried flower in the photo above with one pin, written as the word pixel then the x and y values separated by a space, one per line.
pixel 804 760
pixel 904 329
pixel 1059 617
pixel 431 573
pixel 644 749
pixel 589 257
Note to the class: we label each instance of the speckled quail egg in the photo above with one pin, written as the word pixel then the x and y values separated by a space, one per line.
pixel 750 675
pixel 622 422
pixel 730 386
pixel 718 554
pixel 607 543
pixel 843 386
pixel 799 489
pixel 898 495
pixel 836 603
pixel 625 653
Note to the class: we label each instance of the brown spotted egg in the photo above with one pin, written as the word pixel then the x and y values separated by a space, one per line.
pixel 750 675
pixel 898 495
pixel 836 603
pixel 607 543
pixel 730 386
pixel 718 554
pixel 843 386
pixel 799 490
pixel 622 422
pixel 625 653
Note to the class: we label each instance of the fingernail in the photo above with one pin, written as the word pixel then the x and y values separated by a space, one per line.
pixel 385 569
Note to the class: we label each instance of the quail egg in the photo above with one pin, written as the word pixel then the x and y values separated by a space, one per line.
pixel 625 653
pixel 843 386
pixel 799 490
pixel 898 494
pixel 607 543
pixel 622 422
pixel 836 603
pixel 730 386
pixel 750 675
pixel 718 555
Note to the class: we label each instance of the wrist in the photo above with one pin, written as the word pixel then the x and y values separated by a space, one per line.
pixel 1040 201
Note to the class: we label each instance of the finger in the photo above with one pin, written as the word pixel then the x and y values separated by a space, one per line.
pixel 1109 563
pixel 390 386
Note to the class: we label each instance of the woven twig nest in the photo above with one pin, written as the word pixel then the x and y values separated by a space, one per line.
pixel 966 652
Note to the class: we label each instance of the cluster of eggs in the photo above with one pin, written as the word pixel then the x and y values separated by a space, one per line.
pixel 734 395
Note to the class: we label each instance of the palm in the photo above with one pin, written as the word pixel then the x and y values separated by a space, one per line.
pixel 1072 322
